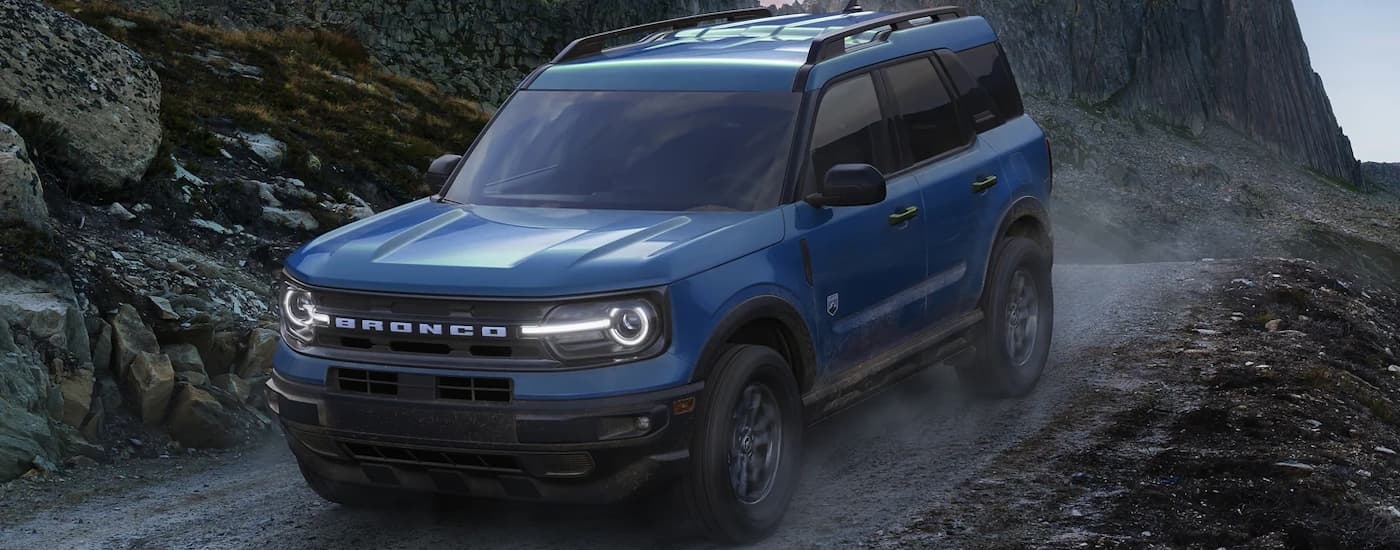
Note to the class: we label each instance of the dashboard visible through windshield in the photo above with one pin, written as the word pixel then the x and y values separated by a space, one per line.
pixel 669 151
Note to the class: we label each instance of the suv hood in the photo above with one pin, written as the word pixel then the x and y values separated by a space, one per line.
pixel 428 247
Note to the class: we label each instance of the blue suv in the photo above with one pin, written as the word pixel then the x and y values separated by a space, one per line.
pixel 662 259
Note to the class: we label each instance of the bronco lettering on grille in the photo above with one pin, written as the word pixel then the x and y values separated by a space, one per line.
pixel 424 329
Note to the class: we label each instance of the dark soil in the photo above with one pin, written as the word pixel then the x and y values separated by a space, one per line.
pixel 1238 435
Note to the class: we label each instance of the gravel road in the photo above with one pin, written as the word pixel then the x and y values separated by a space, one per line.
pixel 867 469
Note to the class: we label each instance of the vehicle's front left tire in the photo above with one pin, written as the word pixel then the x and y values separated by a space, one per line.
pixel 745 452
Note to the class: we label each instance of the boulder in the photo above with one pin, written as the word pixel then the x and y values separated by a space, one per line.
pixel 299 220
pixel 149 379
pixel 48 311
pixel 192 378
pixel 25 431
pixel 233 384
pixel 219 352
pixel 76 385
pixel 102 96
pixel 23 436
pixel 130 337
pixel 184 357
pixel 262 343
pixel 167 311
pixel 198 420
pixel 102 347
pixel 21 195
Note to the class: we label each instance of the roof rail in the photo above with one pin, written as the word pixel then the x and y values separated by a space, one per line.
pixel 833 43
pixel 593 45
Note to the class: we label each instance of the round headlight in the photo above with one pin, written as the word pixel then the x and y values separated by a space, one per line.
pixel 630 325
pixel 297 307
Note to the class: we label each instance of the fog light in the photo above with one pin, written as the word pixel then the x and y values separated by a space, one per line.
pixel 643 423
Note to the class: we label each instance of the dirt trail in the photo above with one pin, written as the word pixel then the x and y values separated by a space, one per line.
pixel 874 466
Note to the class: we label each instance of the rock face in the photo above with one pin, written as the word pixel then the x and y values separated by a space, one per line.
pixel 480 48
pixel 102 96
pixel 1239 62
pixel 1382 175
pixel 21 195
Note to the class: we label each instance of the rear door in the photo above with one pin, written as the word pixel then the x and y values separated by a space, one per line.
pixel 867 261
pixel 953 168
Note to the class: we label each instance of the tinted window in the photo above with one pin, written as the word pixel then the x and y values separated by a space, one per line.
pixel 848 127
pixel 668 151
pixel 988 66
pixel 926 116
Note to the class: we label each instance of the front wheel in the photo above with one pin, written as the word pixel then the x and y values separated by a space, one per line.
pixel 745 455
pixel 1013 340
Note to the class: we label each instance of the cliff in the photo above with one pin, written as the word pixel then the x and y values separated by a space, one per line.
pixel 478 48
pixel 1242 63
pixel 1382 175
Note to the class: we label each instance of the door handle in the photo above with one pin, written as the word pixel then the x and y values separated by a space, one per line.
pixel 904 215
pixel 983 184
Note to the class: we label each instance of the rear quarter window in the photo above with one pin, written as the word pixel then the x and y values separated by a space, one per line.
pixel 987 65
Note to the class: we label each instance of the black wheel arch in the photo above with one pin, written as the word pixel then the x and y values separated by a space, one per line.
pixel 1026 217
pixel 752 321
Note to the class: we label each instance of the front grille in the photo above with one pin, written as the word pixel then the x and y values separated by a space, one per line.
pixel 429 349
pixel 473 389
pixel 371 382
pixel 422 386
pixel 427 457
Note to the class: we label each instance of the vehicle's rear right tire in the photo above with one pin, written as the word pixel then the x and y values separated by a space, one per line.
pixel 745 453
pixel 1013 340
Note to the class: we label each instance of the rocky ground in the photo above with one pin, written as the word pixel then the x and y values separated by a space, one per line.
pixel 1267 420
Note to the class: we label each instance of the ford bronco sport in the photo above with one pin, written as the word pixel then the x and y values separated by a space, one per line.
pixel 661 260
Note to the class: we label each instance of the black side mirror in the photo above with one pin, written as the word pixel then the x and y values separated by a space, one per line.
pixel 850 185
pixel 439 170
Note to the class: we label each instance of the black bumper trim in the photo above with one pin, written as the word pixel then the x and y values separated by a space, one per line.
pixel 561 450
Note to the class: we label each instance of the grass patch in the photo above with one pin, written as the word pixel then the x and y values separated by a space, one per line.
pixel 1334 180
pixel 317 90
pixel 47 144
pixel 28 252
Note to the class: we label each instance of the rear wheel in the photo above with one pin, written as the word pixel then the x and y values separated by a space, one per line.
pixel 1013 340
pixel 745 455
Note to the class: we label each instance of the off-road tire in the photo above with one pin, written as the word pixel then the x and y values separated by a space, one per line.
pixel 707 489
pixel 995 372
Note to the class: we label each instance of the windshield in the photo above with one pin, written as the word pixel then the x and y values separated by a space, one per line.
pixel 672 151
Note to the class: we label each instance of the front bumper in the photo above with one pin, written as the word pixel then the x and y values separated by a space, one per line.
pixel 567 450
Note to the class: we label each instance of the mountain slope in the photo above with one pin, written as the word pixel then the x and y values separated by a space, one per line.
pixel 1184 62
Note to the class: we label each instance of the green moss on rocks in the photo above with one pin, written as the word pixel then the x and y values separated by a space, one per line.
pixel 316 90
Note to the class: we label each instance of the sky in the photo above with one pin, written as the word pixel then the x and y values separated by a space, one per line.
pixel 1355 46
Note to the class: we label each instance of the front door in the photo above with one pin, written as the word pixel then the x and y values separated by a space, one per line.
pixel 868 262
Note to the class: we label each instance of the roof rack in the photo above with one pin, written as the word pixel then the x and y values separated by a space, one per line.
pixel 593 45
pixel 833 43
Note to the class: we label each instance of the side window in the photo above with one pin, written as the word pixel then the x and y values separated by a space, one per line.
pixel 848 127
pixel 988 67
pixel 927 117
